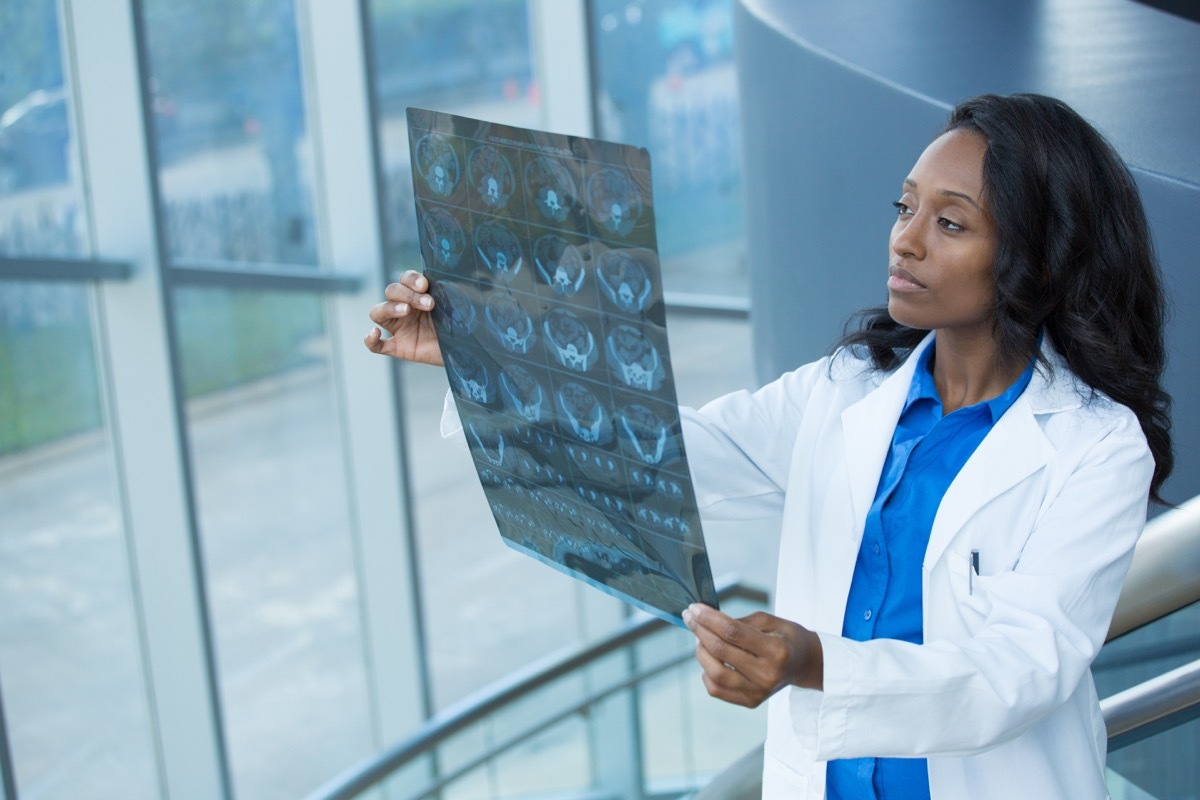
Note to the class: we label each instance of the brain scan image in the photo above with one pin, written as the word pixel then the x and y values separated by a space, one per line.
pixel 569 340
pixel 491 176
pixel 624 281
pixel 582 414
pixel 559 265
pixel 486 442
pixel 521 392
pixel 550 188
pixel 543 262
pixel 595 465
pixel 437 163
pixel 454 311
pixel 633 358
pixel 614 200
pixel 469 378
pixel 444 237
pixel 644 434
pixel 510 324
pixel 500 250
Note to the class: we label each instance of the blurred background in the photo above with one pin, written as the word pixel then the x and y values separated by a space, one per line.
pixel 236 557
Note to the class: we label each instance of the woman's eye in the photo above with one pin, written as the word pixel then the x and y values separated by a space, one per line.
pixel 901 208
pixel 950 226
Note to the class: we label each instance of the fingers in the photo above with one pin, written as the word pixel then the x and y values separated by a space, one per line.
pixel 410 292
pixel 747 660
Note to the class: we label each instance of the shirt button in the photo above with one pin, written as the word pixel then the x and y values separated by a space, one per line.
pixel 877 548
pixel 867 614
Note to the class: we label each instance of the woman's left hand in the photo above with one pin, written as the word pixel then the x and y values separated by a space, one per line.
pixel 747 660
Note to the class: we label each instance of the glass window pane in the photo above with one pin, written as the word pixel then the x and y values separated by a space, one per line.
pixel 234 156
pixel 40 193
pixel 275 529
pixel 470 57
pixel 74 694
pixel 665 79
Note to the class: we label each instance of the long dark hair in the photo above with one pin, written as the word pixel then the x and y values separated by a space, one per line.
pixel 1073 257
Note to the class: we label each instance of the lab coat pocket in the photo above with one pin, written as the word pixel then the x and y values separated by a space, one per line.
pixel 780 780
pixel 969 589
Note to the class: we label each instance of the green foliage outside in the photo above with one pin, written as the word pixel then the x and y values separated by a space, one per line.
pixel 47 385
pixel 229 338
pixel 49 381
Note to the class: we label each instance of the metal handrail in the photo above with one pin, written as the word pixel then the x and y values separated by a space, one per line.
pixel 1161 703
pixel 520 684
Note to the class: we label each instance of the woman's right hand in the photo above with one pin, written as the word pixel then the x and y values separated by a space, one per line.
pixel 406 316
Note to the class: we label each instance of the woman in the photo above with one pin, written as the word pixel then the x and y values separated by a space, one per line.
pixel 963 482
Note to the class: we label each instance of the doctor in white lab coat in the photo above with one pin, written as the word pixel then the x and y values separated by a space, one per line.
pixel 1017 223
pixel 1020 266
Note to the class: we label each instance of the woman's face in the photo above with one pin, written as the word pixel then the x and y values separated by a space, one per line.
pixel 943 243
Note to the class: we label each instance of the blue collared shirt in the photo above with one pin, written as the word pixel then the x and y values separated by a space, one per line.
pixel 928 450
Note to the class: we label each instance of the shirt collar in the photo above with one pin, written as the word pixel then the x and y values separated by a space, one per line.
pixel 923 387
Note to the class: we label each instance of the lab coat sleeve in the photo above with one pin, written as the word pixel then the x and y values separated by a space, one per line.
pixel 1045 621
pixel 739 447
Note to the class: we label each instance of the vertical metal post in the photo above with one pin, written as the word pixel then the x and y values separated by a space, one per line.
pixel 143 388
pixel 8 781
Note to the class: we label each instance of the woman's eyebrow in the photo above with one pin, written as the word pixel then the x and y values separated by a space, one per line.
pixel 911 184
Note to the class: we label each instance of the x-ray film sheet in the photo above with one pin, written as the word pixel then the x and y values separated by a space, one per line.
pixel 540 250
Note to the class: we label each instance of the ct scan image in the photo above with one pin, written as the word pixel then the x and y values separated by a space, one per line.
pixel 541 254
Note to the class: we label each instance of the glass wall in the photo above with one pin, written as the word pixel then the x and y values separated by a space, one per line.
pixel 483 604
pixel 664 78
pixel 70 671
pixel 234 157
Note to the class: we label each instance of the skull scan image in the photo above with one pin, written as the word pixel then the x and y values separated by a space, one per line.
pixel 624 281
pixel 644 434
pixel 582 415
pixel 510 324
pixel 633 358
pixel 559 265
pixel 443 238
pixel 550 187
pixel 485 441
pixel 438 164
pixel 454 311
pixel 521 392
pixel 491 175
pixel 569 340
pixel 614 200
pixel 468 377
pixel 499 249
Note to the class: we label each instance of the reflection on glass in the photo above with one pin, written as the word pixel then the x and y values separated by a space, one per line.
pixel 470 58
pixel 275 532
pixel 498 612
pixel 74 700
pixel 665 79
pixel 229 127
pixel 39 185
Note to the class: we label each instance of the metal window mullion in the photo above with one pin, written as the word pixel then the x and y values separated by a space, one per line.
pixel 147 422
pixel 344 143
pixel 561 61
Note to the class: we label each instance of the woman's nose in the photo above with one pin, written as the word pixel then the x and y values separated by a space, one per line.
pixel 907 238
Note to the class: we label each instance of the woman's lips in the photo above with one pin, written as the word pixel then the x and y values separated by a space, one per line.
pixel 901 280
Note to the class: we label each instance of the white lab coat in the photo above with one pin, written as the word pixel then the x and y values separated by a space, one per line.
pixel 1000 697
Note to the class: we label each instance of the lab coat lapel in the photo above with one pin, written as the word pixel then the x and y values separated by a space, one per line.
pixel 1013 450
pixel 867 428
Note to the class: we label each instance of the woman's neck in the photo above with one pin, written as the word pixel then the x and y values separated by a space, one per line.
pixel 968 370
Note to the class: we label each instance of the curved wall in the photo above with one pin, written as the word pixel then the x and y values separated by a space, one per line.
pixel 839 99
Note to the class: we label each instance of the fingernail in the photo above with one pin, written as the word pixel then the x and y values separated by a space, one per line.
pixel 426 301
pixel 401 308
pixel 687 615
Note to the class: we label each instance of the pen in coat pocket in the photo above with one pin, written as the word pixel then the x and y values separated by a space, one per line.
pixel 972 572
